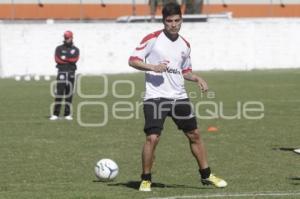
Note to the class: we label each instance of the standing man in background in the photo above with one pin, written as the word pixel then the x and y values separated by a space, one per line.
pixel 154 4
pixel 66 56
pixel 193 6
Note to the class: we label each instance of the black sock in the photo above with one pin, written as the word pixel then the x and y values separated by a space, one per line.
pixel 146 176
pixel 205 173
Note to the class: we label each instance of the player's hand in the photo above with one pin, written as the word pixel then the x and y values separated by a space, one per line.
pixel 159 68
pixel 203 85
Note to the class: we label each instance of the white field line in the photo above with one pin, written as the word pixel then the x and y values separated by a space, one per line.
pixel 257 194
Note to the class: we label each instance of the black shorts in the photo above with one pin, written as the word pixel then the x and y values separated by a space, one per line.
pixel 156 110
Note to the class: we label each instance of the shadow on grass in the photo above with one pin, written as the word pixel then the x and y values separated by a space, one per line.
pixel 295 180
pixel 136 184
pixel 286 149
pixel 283 149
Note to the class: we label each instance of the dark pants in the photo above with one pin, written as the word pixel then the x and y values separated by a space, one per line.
pixel 194 6
pixel 156 110
pixel 64 91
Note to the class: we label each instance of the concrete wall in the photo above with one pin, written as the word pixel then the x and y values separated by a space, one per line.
pixel 105 47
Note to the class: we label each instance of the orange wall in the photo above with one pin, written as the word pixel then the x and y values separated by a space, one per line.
pixel 68 11
pixel 112 11
pixel 256 10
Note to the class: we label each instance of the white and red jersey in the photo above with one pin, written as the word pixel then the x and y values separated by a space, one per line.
pixel 157 48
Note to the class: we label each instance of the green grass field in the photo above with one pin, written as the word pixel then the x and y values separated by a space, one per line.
pixel 55 159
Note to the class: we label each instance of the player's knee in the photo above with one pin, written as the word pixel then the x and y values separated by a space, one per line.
pixel 193 136
pixel 152 139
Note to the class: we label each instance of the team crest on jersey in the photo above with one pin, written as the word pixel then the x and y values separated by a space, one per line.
pixel 183 55
pixel 72 51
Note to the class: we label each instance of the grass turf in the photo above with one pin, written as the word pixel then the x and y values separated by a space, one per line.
pixel 45 159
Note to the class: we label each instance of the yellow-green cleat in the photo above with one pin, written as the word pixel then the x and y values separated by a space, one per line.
pixel 145 185
pixel 214 180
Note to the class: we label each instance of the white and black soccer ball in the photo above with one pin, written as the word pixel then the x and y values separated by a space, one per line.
pixel 106 169
pixel 297 151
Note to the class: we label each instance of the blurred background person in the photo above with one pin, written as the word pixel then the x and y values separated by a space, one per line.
pixel 154 4
pixel 193 6
pixel 66 56
pixel 153 7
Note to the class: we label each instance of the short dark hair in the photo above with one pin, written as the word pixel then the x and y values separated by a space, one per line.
pixel 171 8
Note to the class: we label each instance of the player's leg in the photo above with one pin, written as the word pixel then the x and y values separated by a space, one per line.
pixel 69 94
pixel 197 148
pixel 185 120
pixel 199 152
pixel 182 115
pixel 148 154
pixel 59 94
pixel 154 120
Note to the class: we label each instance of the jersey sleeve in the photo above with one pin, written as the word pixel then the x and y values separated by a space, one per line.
pixel 144 48
pixel 187 64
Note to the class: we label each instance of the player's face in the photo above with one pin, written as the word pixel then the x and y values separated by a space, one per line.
pixel 173 24
pixel 69 40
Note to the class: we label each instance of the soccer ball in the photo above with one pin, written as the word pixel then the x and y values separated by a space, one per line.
pixel 106 169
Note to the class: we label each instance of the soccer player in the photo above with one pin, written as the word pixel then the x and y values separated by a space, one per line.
pixel 165 56
pixel 66 56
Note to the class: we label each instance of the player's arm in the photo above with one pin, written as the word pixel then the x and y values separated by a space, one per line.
pixel 195 78
pixel 59 58
pixel 136 60
pixel 74 57
pixel 140 65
